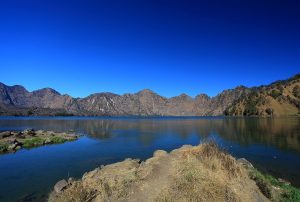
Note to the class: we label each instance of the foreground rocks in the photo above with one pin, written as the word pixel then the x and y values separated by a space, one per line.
pixel 200 173
pixel 11 141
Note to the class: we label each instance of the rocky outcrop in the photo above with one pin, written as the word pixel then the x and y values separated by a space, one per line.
pixel 16 100
pixel 201 173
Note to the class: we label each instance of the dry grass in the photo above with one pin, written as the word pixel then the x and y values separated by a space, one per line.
pixel 207 174
pixel 201 173
pixel 211 156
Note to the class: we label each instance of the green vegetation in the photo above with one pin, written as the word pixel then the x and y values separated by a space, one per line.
pixel 275 93
pixel 269 111
pixel 3 147
pixel 266 183
pixel 57 140
pixel 32 142
pixel 37 141
pixel 296 91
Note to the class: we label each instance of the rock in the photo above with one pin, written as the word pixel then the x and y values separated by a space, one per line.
pixel 18 147
pixel 11 141
pixel 71 180
pixel 245 163
pixel 186 146
pixel 60 186
pixel 48 141
pixel 12 147
pixel 30 132
pixel 159 153
pixel 39 132
pixel 284 181
pixel 5 134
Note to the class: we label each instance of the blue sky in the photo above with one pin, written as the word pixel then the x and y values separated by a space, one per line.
pixel 169 46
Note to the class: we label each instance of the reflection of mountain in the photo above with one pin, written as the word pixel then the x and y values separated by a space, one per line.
pixel 280 133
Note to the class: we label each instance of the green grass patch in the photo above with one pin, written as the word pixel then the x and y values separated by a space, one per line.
pixel 3 147
pixel 265 182
pixel 33 142
pixel 57 140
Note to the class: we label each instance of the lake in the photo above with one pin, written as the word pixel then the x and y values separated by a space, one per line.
pixel 271 144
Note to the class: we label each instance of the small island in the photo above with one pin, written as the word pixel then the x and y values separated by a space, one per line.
pixel 12 141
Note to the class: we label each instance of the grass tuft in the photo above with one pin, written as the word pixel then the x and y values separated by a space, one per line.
pixel 32 142
pixel 267 184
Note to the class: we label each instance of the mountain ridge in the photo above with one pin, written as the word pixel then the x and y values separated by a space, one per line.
pixel 17 100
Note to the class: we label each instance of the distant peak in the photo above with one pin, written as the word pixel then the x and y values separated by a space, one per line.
pixel 203 95
pixel 146 90
pixel 47 91
pixel 184 95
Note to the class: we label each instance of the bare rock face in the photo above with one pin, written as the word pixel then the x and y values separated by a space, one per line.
pixel 16 100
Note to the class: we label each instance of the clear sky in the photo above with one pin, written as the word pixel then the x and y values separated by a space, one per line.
pixel 169 46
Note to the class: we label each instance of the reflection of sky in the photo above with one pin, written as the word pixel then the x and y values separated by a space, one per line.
pixel 111 140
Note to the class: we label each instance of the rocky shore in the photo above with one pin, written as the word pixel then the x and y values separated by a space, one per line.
pixel 200 173
pixel 12 141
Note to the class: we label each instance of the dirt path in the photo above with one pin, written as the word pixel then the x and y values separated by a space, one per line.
pixel 159 179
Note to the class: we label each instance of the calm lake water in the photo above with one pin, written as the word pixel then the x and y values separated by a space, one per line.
pixel 272 145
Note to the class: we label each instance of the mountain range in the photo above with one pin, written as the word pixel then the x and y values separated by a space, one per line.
pixel 276 99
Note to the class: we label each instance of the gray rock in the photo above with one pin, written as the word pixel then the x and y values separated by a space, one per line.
pixel 71 180
pixel 18 147
pixel 47 141
pixel 30 132
pixel 245 163
pixel 11 147
pixel 60 186
pixel 284 181
pixel 5 134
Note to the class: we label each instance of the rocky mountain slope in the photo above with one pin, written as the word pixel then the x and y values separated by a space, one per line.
pixel 279 98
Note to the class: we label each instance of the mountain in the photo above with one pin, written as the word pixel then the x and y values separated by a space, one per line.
pixel 278 98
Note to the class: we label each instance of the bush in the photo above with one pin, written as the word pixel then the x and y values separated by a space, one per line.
pixel 250 109
pixel 275 93
pixel 3 147
pixel 269 111
pixel 296 91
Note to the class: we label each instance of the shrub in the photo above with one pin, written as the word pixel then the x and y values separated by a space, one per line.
pixel 296 91
pixel 269 111
pixel 275 93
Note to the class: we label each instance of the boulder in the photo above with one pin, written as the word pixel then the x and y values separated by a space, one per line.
pixel 71 180
pixel 160 153
pixel 245 163
pixel 11 147
pixel 29 132
pixel 5 134
pixel 284 181
pixel 60 186
pixel 48 141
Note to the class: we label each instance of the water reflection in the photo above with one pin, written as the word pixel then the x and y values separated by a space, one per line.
pixel 281 133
